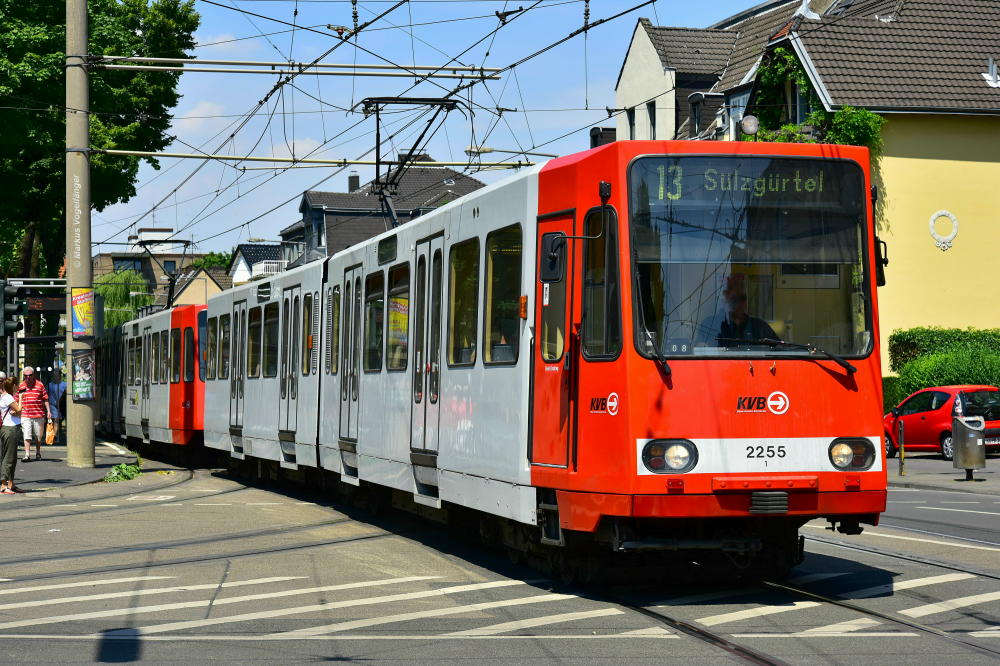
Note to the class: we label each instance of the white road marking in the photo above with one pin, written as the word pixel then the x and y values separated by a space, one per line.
pixel 88 583
pixel 692 599
pixel 941 508
pixel 858 634
pixel 897 585
pixel 116 612
pixel 117 449
pixel 991 633
pixel 951 604
pixel 944 502
pixel 841 627
pixel 65 505
pixel 103 505
pixel 335 637
pixel 649 632
pixel 299 610
pixel 263 503
pixel 142 593
pixel 419 615
pixel 214 504
pixel 735 616
pixel 504 627
pixel 870 532
pixel 906 501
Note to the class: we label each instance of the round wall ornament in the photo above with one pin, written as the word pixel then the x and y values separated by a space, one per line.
pixel 944 242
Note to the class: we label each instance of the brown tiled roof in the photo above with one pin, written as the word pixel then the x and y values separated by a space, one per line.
pixel 752 34
pixel 918 55
pixel 221 277
pixel 691 50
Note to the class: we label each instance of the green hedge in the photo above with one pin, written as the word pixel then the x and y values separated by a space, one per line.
pixel 892 395
pixel 906 345
pixel 965 366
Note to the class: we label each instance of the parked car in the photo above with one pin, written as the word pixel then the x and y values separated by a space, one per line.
pixel 926 417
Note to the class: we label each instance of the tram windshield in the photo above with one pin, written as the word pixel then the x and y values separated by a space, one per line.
pixel 735 253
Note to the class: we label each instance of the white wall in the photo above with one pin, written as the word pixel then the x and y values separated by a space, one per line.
pixel 240 271
pixel 643 77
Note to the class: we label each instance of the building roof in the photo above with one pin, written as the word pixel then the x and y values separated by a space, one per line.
pixel 691 50
pixel 256 252
pixel 187 278
pixel 753 31
pixel 221 277
pixel 917 55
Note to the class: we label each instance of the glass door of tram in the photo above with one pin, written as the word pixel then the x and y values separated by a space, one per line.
pixel 426 321
pixel 146 374
pixel 556 354
pixel 291 320
pixel 238 356
pixel 350 378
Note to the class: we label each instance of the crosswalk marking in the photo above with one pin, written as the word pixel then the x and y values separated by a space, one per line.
pixel 897 585
pixel 515 625
pixel 859 634
pixel 223 638
pixel 649 632
pixel 951 604
pixel 841 627
pixel 724 594
pixel 735 616
pixel 146 592
pixel 953 544
pixel 116 612
pixel 299 610
pixel 87 583
pixel 419 615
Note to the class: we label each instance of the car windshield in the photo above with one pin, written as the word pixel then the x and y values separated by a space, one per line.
pixel 731 250
pixel 982 403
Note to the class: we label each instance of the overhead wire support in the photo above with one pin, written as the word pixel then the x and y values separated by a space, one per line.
pixel 233 70
pixel 100 59
pixel 290 160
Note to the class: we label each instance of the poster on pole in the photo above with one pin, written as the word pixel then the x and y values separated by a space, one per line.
pixel 83 374
pixel 83 312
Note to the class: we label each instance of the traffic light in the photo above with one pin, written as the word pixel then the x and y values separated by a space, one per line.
pixel 13 309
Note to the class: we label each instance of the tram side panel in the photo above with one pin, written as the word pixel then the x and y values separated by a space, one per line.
pixel 219 331
pixel 302 410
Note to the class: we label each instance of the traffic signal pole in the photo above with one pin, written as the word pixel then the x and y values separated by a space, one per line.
pixel 79 270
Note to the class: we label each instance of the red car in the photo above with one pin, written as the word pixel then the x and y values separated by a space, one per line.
pixel 926 417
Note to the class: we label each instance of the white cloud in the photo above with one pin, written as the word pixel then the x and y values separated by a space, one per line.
pixel 299 148
pixel 199 118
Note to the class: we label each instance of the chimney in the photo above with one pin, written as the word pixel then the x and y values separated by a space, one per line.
pixel 353 181
pixel 600 136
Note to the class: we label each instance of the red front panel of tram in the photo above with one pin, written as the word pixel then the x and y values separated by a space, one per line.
pixel 759 423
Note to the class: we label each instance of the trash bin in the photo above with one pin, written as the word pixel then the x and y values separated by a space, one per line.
pixel 967 440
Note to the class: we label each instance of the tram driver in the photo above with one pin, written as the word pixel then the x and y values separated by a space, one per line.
pixel 735 326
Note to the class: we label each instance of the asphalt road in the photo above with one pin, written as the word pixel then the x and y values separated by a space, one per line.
pixel 200 567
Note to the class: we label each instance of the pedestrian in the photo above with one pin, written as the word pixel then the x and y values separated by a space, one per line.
pixel 34 401
pixel 57 396
pixel 10 436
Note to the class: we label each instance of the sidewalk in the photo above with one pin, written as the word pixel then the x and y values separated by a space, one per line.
pixel 53 472
pixel 931 472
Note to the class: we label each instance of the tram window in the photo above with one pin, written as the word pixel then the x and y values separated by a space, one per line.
pixel 202 344
pixel 154 350
pixel 175 355
pixel 189 354
pixel 314 355
pixel 211 347
pixel 333 339
pixel 271 339
pixel 128 362
pixel 164 357
pixel 137 353
pixel 503 295
pixel 307 332
pixel 463 290
pixel 398 333
pixel 434 379
pixel 374 315
pixel 224 334
pixel 253 343
pixel 602 331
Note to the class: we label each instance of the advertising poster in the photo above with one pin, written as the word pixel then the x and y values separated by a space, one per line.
pixel 83 312
pixel 83 374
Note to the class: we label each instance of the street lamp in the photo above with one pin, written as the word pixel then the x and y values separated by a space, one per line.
pixel 473 151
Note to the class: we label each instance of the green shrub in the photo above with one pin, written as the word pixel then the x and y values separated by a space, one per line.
pixel 965 366
pixel 892 395
pixel 122 472
pixel 905 345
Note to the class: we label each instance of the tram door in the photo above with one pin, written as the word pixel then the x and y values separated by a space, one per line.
pixel 554 399
pixel 291 321
pixel 238 373
pixel 426 322
pixel 146 363
pixel 350 378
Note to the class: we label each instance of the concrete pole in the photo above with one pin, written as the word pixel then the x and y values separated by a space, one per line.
pixel 79 271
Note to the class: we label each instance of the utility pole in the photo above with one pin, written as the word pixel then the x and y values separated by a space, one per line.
pixel 79 271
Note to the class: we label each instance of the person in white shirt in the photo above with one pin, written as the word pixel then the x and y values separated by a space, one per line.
pixel 10 436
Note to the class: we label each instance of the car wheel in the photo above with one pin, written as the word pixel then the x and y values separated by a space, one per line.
pixel 890 448
pixel 947 448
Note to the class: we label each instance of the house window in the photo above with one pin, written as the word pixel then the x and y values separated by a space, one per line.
pixel 651 112
pixel 737 105
pixel 169 267
pixel 127 264
pixel 800 103
pixel 630 116
pixel 320 230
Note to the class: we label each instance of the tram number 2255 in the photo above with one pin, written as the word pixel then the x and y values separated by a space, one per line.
pixel 760 451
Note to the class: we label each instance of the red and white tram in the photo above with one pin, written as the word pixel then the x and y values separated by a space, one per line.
pixel 648 346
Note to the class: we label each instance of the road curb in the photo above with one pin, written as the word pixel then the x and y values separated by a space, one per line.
pixel 979 488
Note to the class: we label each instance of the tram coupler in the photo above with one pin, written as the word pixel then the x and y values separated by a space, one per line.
pixel 851 527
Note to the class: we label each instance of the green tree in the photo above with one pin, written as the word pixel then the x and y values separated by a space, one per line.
pixel 117 289
pixel 129 110
pixel 213 260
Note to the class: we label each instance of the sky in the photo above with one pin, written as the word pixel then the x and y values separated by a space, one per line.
pixel 551 99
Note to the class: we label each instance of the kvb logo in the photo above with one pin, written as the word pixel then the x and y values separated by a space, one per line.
pixel 776 403
pixel 608 405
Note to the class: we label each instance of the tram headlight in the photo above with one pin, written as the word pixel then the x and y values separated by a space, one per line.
pixel 852 453
pixel 669 456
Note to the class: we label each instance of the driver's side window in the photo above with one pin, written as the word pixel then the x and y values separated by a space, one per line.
pixel 921 402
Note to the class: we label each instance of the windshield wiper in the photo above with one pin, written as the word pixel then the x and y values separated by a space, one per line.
pixel 657 354
pixel 771 342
